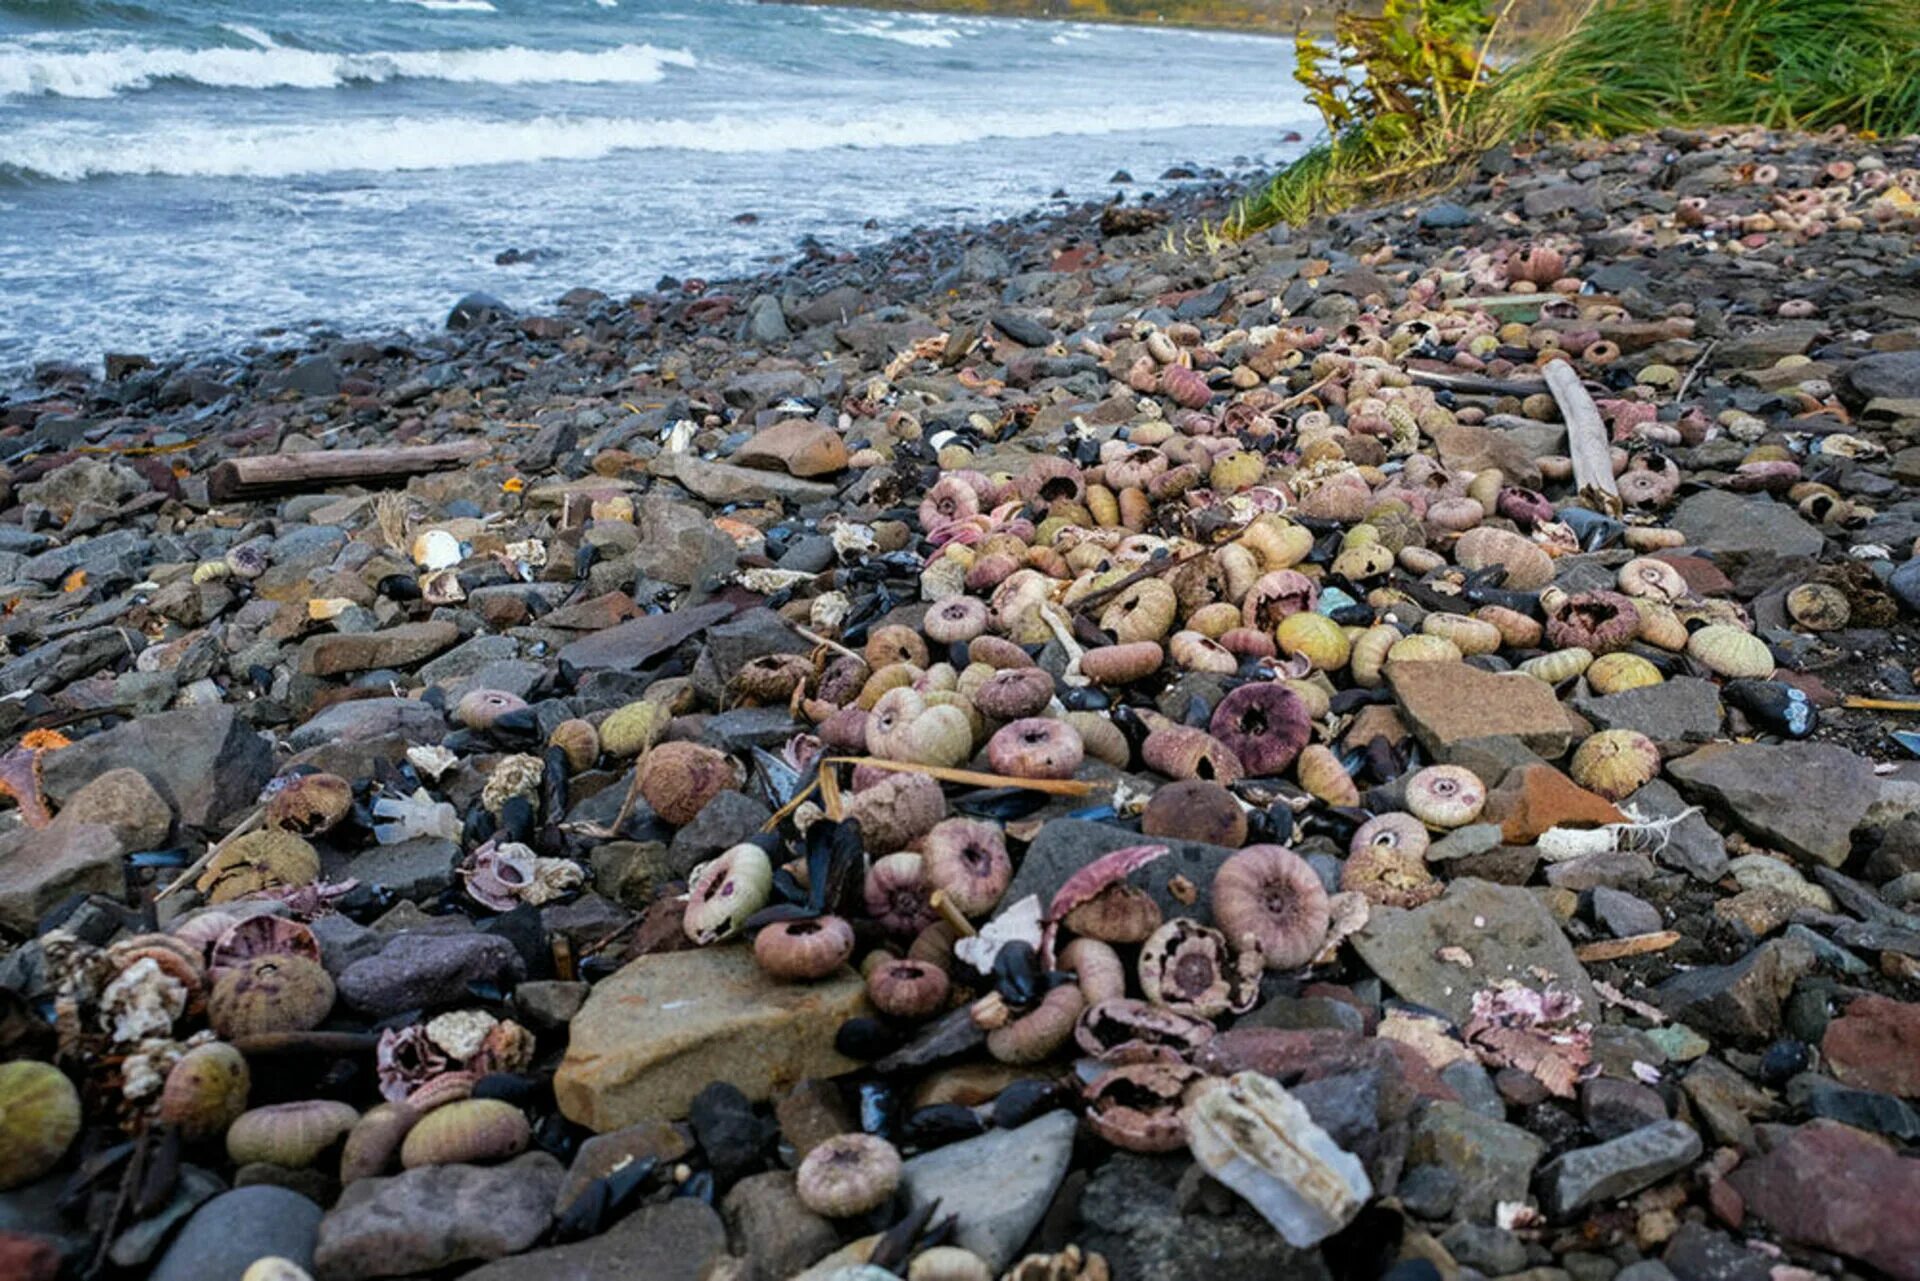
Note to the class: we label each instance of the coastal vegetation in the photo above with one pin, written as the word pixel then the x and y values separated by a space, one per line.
pixel 1414 92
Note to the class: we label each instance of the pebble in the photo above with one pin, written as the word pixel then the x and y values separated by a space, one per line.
pixel 436 1216
pixel 227 1233
pixel 998 1184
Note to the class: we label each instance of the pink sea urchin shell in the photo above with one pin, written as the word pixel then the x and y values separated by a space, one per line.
pixel 1264 725
pixel 1273 895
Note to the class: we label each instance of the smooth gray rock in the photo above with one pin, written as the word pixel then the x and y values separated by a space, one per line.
pixel 1491 1160
pixel 776 1234
pixel 1505 928
pixel 1728 524
pixel 228 1233
pixel 1804 798
pixel 1064 846
pixel 416 969
pixel 1741 1001
pixel 206 762
pixel 363 720
pixel 1617 1168
pixel 436 1216
pixel 676 1240
pixel 999 1184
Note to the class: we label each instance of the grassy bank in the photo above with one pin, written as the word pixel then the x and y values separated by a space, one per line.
pixel 1410 96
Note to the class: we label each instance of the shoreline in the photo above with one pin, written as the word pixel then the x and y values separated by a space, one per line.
pixel 1413 631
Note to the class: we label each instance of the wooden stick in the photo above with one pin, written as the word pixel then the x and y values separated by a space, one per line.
pixel 1633 945
pixel 1052 786
pixel 1475 384
pixel 1152 569
pixel 276 473
pixel 1859 703
pixel 1586 434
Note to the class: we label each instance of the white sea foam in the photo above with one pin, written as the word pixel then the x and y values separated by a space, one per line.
pixel 406 143
pixel 918 37
pixel 453 6
pixel 102 73
pixel 248 32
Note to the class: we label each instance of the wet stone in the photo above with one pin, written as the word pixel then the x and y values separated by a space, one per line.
pixel 1617 1168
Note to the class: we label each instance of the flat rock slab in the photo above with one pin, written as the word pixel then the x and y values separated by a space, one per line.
pixel 632 643
pixel 1452 705
pixel 229 1232
pixel 1831 1186
pixel 1803 798
pixel 676 1240
pixel 206 762
pixel 39 867
pixel 666 1026
pixel 999 1184
pixel 1875 1045
pixel 1617 1168
pixel 435 1216
pixel 1504 928
pixel 1728 524
pixel 1685 709
pixel 338 653
pixel 726 483
pixel 1066 845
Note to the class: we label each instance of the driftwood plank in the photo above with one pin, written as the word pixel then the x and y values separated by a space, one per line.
pixel 1587 441
pixel 279 473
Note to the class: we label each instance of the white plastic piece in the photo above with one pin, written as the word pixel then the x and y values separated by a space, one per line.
pixel 1259 1140
pixel 416 815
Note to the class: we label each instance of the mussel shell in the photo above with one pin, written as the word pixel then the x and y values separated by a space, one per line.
pixel 942 1123
pixel 1775 706
pixel 1024 1100
pixel 1017 973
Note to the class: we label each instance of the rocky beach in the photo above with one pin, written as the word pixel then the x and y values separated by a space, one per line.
pixel 1064 748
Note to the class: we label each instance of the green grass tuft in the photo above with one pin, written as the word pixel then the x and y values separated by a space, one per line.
pixel 1628 66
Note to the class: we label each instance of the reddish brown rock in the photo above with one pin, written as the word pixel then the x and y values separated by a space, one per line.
pixel 1533 798
pixel 1451 706
pixel 1875 1045
pixel 1837 1188
pixel 796 446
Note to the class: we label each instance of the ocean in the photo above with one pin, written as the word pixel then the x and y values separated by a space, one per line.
pixel 191 175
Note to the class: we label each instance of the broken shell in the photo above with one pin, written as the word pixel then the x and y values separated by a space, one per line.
pixel 1036 748
pixel 261 860
pixel 1040 1031
pixel 39 1117
pixel 1253 1136
pixel 1615 673
pixel 1599 622
pixel 578 741
pixel 907 989
pixel 205 1091
pixel 1271 894
pixel 1264 725
pixel 308 804
pixel 632 729
pixel 722 894
pixel 1120 913
pixel 1528 566
pixel 1615 763
pixel 897 811
pixel 802 951
pixel 1389 877
pixel 466 1131
pixel 1324 777
pixel 1728 651
pixel 967 861
pixel 848 1174
pixel 1143 612
pixel 679 779
pixel 1196 810
pixel 1395 831
pixel 275 993
pixel 1652 578
pixel 1187 967
pixel 375 1140
pixel 1819 607
pixel 899 894
pixel 435 549
pixel 289 1134
pixel 1445 796
pixel 1194 652
pixel 1136 1106
pixel 1116 1028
